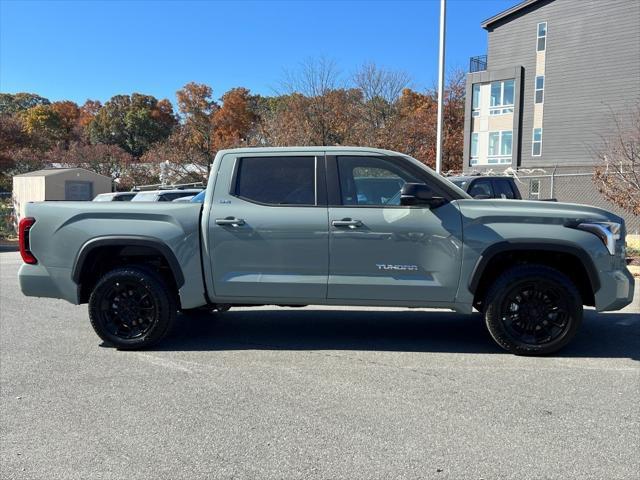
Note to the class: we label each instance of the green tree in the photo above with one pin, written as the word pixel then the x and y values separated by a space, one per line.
pixel 44 126
pixel 13 103
pixel 133 122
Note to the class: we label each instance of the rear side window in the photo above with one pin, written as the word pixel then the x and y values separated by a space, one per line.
pixel 125 198
pixel 170 197
pixel 277 180
pixel 503 189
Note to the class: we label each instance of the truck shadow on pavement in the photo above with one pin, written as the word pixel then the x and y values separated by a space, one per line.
pixel 615 335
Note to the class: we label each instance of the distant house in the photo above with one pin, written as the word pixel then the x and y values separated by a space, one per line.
pixel 57 184
pixel 545 95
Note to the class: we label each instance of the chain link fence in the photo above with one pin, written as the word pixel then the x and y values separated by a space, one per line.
pixel 576 187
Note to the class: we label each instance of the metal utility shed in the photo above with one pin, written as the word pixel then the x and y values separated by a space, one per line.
pixel 57 184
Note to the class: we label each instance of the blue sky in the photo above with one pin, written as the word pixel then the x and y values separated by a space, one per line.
pixel 78 50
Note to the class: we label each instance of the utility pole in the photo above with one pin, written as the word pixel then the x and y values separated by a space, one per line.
pixel 443 11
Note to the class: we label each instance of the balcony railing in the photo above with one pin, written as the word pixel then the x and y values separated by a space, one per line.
pixel 478 64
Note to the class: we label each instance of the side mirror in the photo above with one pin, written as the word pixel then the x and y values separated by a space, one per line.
pixel 419 194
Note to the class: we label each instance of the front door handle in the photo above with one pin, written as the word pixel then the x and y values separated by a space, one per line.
pixel 230 221
pixel 347 222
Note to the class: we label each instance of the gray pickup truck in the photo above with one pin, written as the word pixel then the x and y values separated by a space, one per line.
pixel 328 226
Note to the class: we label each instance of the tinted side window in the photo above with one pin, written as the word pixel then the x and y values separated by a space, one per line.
pixel 277 180
pixel 371 181
pixel 503 189
pixel 170 197
pixel 481 187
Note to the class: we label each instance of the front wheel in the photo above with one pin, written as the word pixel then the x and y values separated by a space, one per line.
pixel 533 310
pixel 132 308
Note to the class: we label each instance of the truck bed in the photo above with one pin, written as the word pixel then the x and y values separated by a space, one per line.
pixel 65 228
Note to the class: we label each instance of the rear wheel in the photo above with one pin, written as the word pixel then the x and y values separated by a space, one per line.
pixel 533 310
pixel 132 308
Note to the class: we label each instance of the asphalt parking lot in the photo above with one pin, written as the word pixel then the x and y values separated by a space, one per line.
pixel 312 393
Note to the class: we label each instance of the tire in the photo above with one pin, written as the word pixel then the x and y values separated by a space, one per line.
pixel 533 310
pixel 132 308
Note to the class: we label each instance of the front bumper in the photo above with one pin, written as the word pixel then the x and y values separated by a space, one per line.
pixel 39 281
pixel 616 290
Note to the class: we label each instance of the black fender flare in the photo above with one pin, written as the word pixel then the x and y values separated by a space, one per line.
pixel 127 241
pixel 558 246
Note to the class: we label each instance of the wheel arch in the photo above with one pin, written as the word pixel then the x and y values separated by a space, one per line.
pixel 133 244
pixel 537 252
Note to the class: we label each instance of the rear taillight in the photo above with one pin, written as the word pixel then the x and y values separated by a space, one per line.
pixel 23 235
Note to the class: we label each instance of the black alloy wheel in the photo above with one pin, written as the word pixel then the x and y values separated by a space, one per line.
pixel 128 309
pixel 533 310
pixel 132 307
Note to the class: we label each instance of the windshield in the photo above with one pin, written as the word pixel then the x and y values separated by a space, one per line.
pixel 104 197
pixel 145 197
pixel 458 183
pixel 199 198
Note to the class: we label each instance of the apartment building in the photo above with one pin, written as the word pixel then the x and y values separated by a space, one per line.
pixel 545 97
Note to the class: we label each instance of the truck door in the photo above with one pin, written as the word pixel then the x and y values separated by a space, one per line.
pixel 380 250
pixel 268 228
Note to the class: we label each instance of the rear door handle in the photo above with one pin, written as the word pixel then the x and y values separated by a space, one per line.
pixel 347 222
pixel 230 221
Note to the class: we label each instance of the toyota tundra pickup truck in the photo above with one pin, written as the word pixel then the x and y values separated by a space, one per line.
pixel 328 226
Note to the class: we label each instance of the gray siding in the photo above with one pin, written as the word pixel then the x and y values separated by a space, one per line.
pixel 592 71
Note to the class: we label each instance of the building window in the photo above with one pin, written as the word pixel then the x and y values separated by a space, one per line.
pixel 474 148
pixel 499 149
pixel 534 189
pixel 502 95
pixel 536 143
pixel 505 143
pixel 475 100
pixel 539 91
pixel 542 37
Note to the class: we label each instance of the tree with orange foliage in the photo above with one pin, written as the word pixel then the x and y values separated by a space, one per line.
pixel 234 121
pixel 413 130
pixel 196 108
pixel 69 114
pixel 88 111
